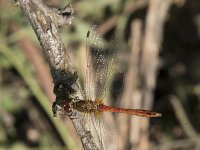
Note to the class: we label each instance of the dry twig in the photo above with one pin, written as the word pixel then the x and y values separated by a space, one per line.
pixel 182 117
pixel 130 97
pixel 180 144
pixel 46 22
pixel 155 20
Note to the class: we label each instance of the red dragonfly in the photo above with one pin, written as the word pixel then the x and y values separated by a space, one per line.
pixel 99 71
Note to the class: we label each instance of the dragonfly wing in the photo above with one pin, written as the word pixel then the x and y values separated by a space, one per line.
pixel 96 62
pixel 114 64
pixel 104 131
pixel 103 61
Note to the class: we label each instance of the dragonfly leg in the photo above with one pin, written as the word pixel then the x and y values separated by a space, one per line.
pixel 55 109
pixel 73 115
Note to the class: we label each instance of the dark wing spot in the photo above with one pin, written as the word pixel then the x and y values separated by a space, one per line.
pixel 88 34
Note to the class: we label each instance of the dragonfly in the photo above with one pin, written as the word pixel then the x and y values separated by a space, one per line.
pixel 97 113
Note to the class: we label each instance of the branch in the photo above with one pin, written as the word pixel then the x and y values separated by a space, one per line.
pixel 136 98
pixel 182 117
pixel 129 127
pixel 157 13
pixel 46 22
pixel 127 11
pixel 181 144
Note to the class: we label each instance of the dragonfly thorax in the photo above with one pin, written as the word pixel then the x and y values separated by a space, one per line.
pixel 86 106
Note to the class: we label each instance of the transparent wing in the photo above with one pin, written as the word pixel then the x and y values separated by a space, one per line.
pixel 103 61
pixel 103 130
pixel 115 61
pixel 96 64
pixel 102 64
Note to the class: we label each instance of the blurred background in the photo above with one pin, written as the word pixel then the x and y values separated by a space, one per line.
pixel 163 73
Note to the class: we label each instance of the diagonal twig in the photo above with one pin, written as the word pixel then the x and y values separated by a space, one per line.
pixel 182 117
pixel 46 22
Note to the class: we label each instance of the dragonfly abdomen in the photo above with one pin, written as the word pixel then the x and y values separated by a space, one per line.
pixel 137 112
